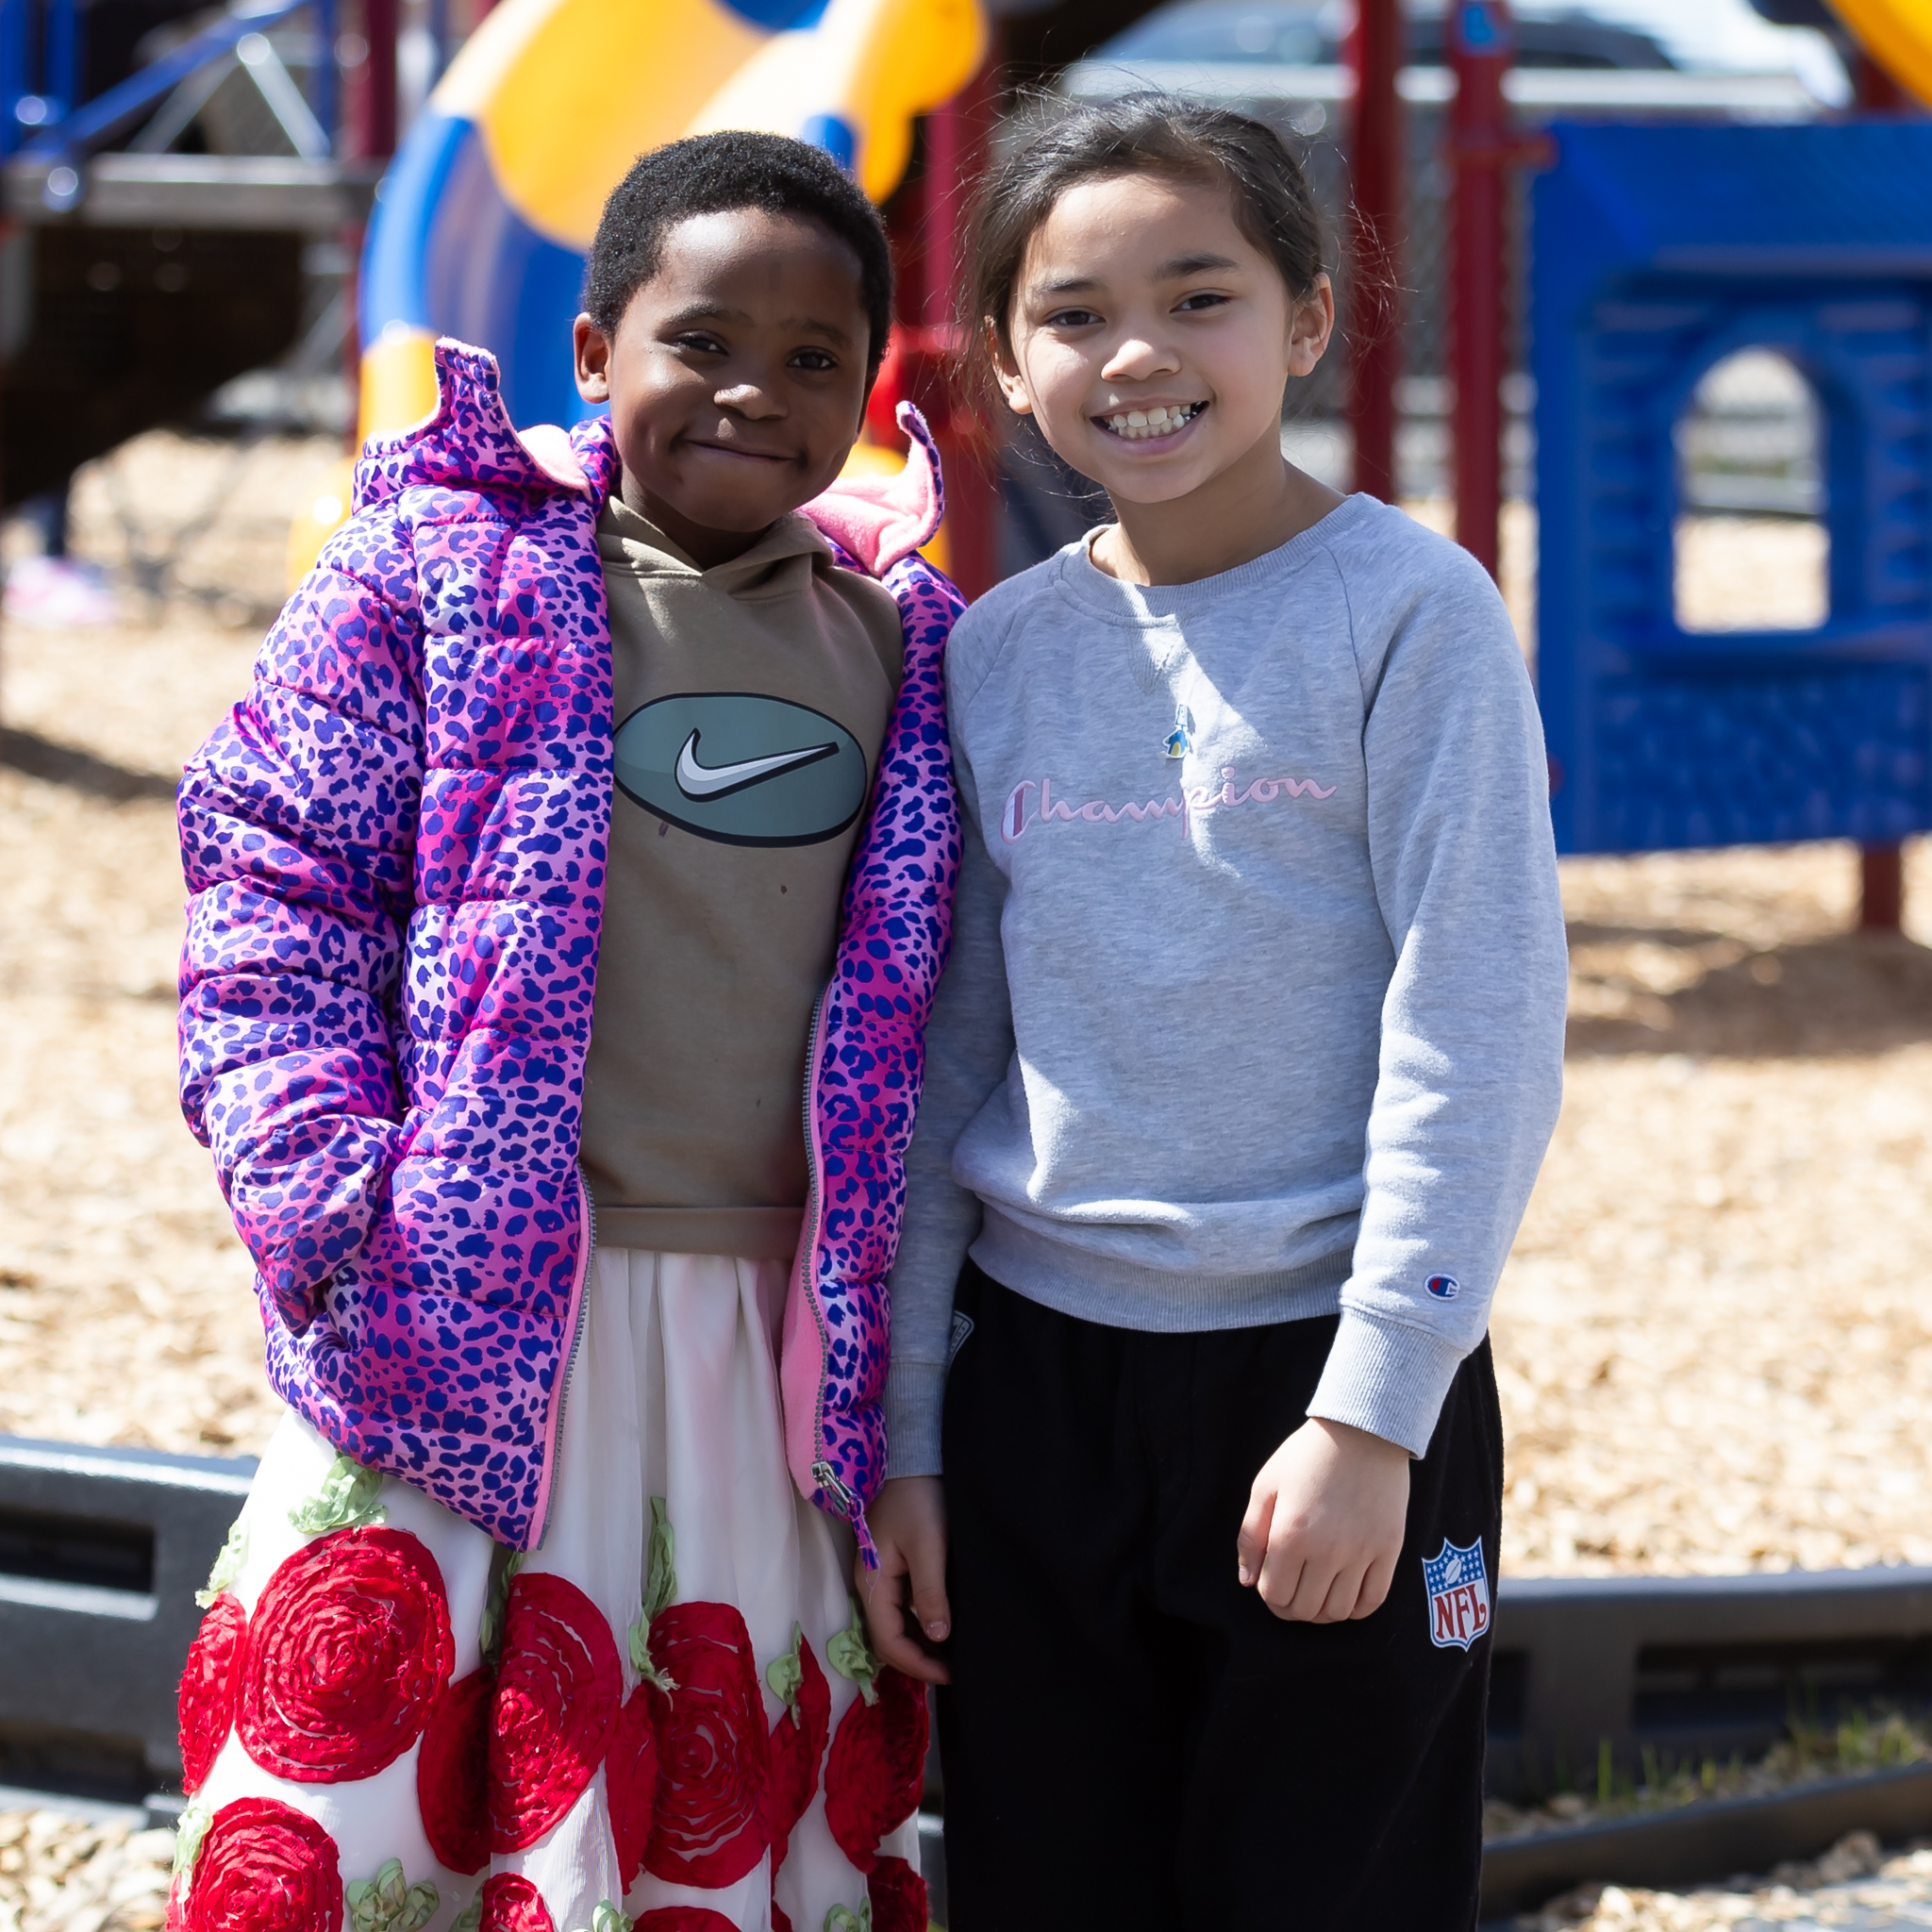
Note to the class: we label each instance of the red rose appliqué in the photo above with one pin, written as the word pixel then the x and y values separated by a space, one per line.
pixel 264 1868
pixel 711 1826
pixel 349 1649
pixel 630 1782
pixel 878 1767
pixel 512 1903
pixel 556 1695
pixel 898 1897
pixel 683 1919
pixel 797 1747
pixel 453 1773
pixel 209 1683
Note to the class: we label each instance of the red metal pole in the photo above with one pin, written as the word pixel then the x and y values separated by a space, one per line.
pixel 955 141
pixel 1874 91
pixel 1881 868
pixel 372 119
pixel 1481 45
pixel 1375 225
pixel 1881 888
pixel 380 22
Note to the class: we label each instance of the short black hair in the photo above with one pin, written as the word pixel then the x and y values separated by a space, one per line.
pixel 714 174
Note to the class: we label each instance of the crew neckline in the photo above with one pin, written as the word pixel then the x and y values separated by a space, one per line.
pixel 1115 601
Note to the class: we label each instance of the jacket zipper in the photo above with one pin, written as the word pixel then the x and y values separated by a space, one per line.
pixel 822 1471
pixel 571 1360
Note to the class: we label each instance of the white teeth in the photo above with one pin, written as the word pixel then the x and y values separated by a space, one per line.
pixel 1137 424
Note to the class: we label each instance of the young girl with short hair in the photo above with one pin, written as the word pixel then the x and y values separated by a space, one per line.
pixel 1242 1067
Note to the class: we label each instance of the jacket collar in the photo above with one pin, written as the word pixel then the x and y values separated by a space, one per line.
pixel 469 439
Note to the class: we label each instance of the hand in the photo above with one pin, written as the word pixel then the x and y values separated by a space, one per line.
pixel 908 1525
pixel 1325 1523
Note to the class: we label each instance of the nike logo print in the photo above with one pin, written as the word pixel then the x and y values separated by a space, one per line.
pixel 715 781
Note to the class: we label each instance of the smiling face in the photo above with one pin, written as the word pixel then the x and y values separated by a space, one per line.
pixel 737 379
pixel 1153 341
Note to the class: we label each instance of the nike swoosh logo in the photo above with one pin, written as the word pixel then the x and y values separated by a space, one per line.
pixel 713 781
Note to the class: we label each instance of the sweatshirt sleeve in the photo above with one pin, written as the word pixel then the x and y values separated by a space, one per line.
pixel 969 1046
pixel 1470 1076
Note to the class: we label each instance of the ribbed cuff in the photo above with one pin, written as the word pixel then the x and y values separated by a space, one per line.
pixel 1387 1377
pixel 915 1394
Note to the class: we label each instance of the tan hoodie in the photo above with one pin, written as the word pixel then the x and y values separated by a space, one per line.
pixel 750 703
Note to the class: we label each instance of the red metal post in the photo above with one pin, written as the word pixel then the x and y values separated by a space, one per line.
pixel 1481 45
pixel 371 84
pixel 1881 868
pixel 1376 227
pixel 954 143
pixel 1875 91
pixel 380 22
pixel 1881 888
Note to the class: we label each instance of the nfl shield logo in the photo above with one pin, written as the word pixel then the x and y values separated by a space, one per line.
pixel 1458 1588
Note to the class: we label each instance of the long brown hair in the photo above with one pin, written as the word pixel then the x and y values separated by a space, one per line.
pixel 1139 133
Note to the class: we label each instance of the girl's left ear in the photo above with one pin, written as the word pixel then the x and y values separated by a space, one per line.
pixel 1311 325
pixel 1007 373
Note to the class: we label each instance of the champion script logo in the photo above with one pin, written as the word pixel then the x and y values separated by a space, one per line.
pixel 1031 802
pixel 715 781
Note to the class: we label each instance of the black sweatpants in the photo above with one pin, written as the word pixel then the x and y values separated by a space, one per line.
pixel 1132 1740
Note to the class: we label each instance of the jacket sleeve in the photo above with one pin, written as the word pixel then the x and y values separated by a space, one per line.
pixel 297 819
pixel 1471 1066
pixel 969 1046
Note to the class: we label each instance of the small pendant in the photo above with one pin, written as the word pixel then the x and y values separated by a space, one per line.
pixel 1180 741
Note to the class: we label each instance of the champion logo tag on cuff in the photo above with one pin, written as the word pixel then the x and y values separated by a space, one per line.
pixel 1445 1288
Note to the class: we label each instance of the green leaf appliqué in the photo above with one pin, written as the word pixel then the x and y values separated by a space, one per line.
pixel 227 1565
pixel 387 1903
pixel 844 1919
pixel 490 1625
pixel 850 1655
pixel 785 1673
pixel 189 1832
pixel 346 1500
pixel 660 1588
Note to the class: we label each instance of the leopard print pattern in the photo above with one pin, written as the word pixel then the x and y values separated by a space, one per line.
pixel 395 848
pixel 870 1053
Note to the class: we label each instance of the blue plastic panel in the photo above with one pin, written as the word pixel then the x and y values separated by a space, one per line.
pixel 1661 250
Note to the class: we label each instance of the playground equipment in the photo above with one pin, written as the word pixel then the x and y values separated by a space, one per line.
pixel 1898 35
pixel 138 281
pixel 1660 252
pixel 484 222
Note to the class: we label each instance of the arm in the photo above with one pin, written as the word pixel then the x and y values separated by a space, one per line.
pixel 1466 1097
pixel 296 823
pixel 969 1045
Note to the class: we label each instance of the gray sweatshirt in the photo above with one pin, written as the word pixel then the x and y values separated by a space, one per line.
pixel 1255 1009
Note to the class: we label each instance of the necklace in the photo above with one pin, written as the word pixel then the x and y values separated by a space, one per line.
pixel 1180 741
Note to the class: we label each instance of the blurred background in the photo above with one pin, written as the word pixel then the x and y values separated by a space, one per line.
pixel 1636 302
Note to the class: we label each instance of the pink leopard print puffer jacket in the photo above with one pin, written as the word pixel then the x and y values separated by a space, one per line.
pixel 394 851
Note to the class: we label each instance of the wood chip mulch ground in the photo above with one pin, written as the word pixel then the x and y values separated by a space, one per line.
pixel 1713 1338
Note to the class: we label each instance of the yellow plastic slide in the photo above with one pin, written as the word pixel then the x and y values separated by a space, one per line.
pixel 1898 35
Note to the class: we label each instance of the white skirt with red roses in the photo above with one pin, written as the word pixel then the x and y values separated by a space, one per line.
pixel 666 1717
